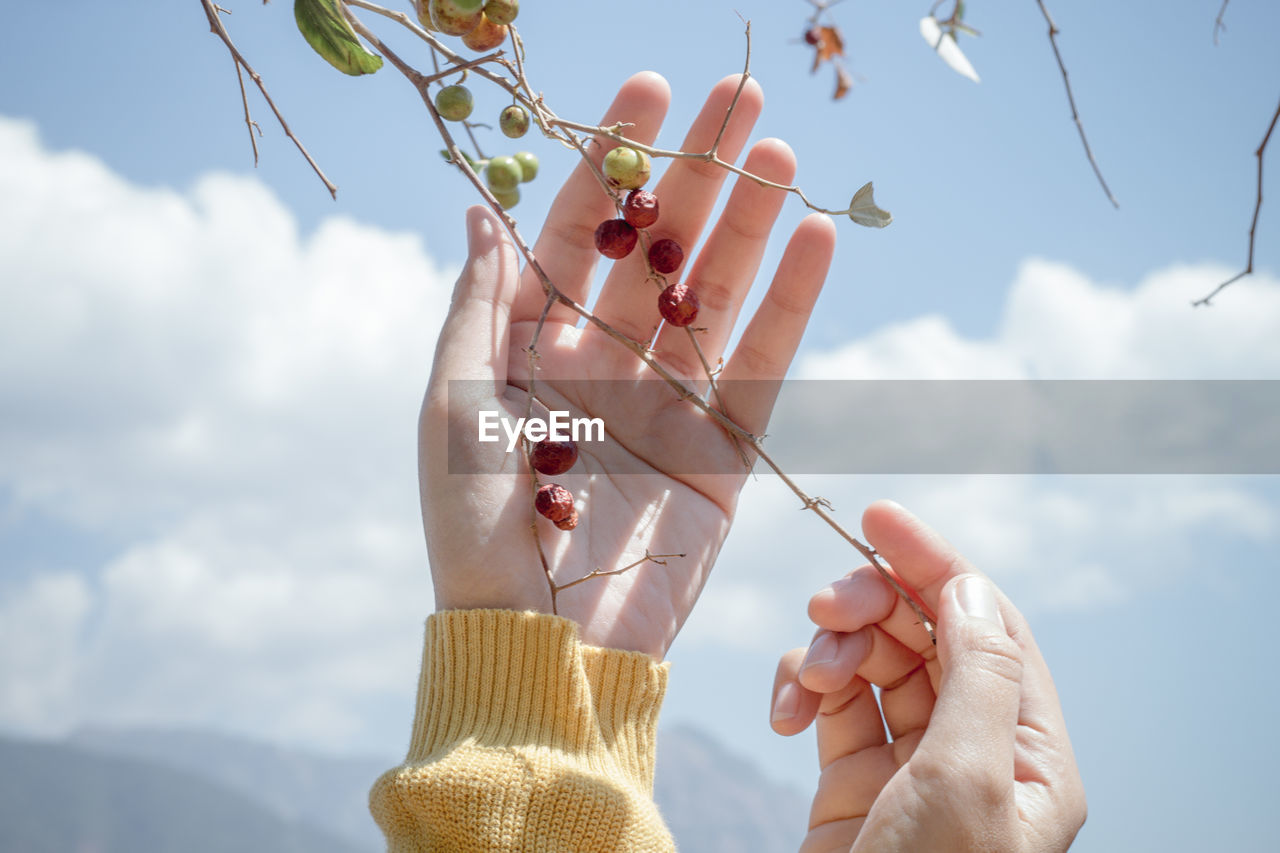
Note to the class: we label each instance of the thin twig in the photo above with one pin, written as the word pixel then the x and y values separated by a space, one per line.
pixel 462 66
pixel 1219 26
pixel 660 559
pixel 742 84
pixel 215 24
pixel 1075 115
pixel 1257 208
pixel 528 456
pixel 248 119
pixel 615 134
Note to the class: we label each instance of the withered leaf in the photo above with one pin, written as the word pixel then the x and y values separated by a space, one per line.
pixel 830 45
pixel 844 82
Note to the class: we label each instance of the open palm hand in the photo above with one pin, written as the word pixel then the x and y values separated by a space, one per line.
pixel 660 483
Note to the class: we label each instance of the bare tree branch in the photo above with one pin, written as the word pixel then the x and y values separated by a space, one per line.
pixel 1075 115
pixel 1218 25
pixel 215 24
pixel 1257 208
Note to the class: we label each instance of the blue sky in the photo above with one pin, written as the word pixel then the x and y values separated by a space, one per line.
pixel 185 337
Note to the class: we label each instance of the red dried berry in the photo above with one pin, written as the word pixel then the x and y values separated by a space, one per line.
pixel 811 37
pixel 678 305
pixel 554 501
pixel 568 523
pixel 666 256
pixel 640 208
pixel 553 458
pixel 615 238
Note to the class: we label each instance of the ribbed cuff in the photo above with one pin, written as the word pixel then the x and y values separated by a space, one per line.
pixel 501 678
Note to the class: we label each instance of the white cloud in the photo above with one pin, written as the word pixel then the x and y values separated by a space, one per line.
pixel 1059 325
pixel 41 622
pixel 235 402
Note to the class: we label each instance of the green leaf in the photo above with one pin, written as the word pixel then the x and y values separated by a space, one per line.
pixel 329 34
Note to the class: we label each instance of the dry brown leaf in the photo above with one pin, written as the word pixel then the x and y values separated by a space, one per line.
pixel 844 82
pixel 830 45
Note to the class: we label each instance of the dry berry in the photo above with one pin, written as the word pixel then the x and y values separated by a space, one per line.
pixel 568 523
pixel 424 15
pixel 554 502
pixel 626 168
pixel 812 37
pixel 456 17
pixel 553 458
pixel 640 208
pixel 502 11
pixel 514 121
pixel 615 238
pixel 678 305
pixel 665 255
pixel 486 36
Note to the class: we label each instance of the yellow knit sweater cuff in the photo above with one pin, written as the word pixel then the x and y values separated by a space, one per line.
pixel 525 739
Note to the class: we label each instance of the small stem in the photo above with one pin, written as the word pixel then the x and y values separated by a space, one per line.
pixel 728 114
pixel 660 559
pixel 1253 226
pixel 215 24
pixel 1219 26
pixel 248 119
pixel 465 66
pixel 1075 115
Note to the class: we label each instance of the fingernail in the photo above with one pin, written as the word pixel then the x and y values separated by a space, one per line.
pixel 977 598
pixel 822 651
pixel 787 703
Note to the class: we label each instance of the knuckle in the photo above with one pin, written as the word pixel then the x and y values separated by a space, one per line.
pixel 994 652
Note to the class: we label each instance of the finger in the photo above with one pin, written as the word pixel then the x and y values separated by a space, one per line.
pixel 1050 759
pixel 921 559
pixel 848 788
pixel 849 721
pixel 970 740
pixel 862 598
pixel 792 708
pixel 566 247
pixel 908 704
pixel 476 335
pixel 764 352
pixel 837 835
pixel 919 555
pixel 856 600
pixel 727 265
pixel 889 662
pixel 833 659
pixel 686 196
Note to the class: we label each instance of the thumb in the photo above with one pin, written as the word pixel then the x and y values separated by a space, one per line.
pixel 476 335
pixel 971 732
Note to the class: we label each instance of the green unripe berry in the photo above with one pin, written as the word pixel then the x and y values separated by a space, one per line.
pixel 514 121
pixel 454 102
pixel 626 168
pixel 502 11
pixel 509 199
pixel 528 165
pixel 503 174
